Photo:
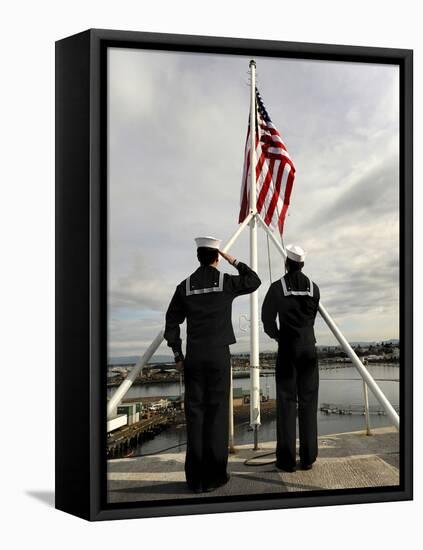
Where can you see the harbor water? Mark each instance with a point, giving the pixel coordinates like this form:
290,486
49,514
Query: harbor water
339,385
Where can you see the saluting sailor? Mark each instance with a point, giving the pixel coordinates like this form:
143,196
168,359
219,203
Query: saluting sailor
204,299
294,299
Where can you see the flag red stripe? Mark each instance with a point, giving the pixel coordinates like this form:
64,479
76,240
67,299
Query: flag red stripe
266,184
287,196
281,221
288,187
269,174
275,196
244,189
244,202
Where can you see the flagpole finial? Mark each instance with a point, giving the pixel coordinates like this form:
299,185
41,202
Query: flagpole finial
252,63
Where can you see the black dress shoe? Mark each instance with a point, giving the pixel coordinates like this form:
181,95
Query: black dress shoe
195,488
285,468
306,466
214,486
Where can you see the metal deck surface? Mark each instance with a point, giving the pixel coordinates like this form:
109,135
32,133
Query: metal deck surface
345,460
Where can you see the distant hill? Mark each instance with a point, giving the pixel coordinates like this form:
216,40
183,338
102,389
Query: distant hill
365,343
373,343
131,359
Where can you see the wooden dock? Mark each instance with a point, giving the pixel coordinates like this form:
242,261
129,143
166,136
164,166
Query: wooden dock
121,441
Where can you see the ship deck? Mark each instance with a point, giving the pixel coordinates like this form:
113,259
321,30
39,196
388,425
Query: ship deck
345,461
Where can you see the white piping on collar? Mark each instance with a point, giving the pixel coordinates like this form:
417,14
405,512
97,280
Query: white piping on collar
218,288
287,292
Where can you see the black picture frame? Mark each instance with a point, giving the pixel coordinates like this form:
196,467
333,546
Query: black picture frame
81,274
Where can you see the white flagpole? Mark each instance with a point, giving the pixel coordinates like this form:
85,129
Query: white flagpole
254,325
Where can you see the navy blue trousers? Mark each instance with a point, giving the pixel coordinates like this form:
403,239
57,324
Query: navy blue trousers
207,385
297,380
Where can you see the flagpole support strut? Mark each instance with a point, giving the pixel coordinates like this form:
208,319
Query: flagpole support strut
356,361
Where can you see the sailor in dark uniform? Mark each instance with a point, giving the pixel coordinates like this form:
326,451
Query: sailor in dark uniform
294,299
204,299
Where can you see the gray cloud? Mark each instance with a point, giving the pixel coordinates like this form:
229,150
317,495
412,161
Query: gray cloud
176,138
373,190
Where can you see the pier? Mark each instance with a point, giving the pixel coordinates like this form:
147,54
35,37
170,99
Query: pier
329,408
122,441
345,461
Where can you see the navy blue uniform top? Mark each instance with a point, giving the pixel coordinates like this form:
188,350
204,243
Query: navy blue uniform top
204,299
294,299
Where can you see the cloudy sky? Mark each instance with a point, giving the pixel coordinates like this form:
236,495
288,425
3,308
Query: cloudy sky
177,127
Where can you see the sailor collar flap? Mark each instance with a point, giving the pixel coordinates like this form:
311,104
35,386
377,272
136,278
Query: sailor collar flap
289,291
217,286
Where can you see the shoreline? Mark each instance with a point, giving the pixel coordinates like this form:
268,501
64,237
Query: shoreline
174,378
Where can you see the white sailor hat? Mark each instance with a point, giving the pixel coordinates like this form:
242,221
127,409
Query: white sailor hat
209,242
295,253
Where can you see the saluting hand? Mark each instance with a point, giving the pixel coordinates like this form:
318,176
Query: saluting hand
227,257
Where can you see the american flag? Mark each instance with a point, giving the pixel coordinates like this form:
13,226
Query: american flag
275,172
